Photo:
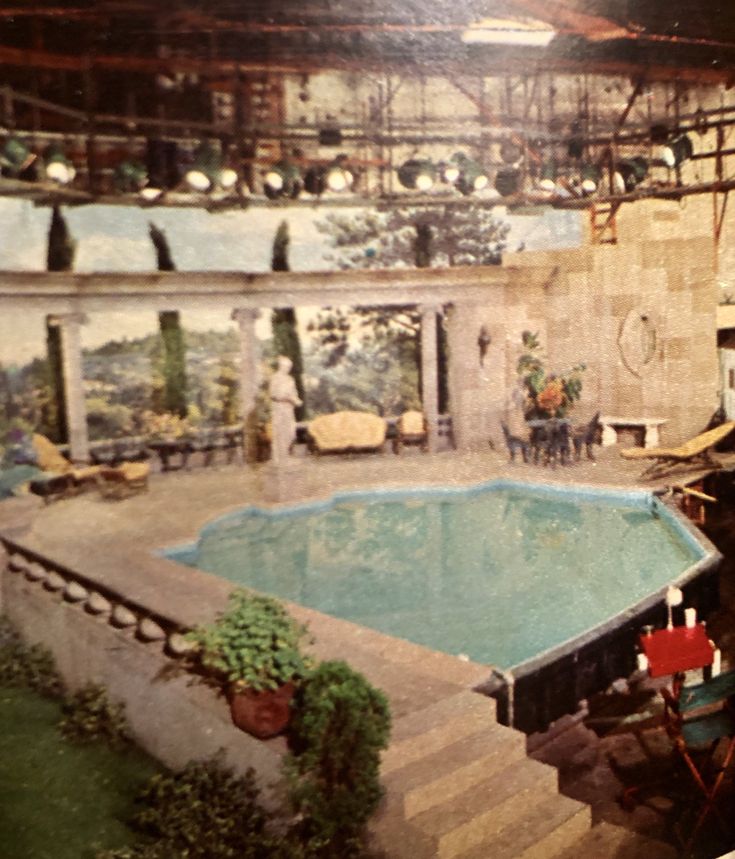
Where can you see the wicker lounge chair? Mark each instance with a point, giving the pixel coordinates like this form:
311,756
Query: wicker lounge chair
411,429
61,478
695,452
123,480
347,431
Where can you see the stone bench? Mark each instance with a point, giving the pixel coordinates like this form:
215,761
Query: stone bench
612,423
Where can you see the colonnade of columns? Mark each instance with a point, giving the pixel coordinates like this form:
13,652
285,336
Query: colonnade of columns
76,413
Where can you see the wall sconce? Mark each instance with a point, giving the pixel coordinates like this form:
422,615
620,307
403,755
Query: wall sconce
483,341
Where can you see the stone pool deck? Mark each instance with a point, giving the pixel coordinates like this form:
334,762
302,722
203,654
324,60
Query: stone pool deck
458,784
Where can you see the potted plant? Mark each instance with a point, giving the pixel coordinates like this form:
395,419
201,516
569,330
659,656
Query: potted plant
253,649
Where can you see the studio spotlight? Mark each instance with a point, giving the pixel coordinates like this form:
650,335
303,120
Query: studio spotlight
590,179
511,153
547,177
417,174
472,176
507,181
315,180
17,160
677,151
58,167
207,173
130,177
628,173
338,176
282,179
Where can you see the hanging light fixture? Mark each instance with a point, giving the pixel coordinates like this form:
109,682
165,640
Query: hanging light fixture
16,158
282,179
507,181
417,174
58,167
676,151
628,173
130,176
207,172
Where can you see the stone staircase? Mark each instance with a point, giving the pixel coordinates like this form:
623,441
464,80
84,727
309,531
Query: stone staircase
458,784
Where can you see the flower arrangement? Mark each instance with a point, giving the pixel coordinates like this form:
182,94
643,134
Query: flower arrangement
164,426
549,395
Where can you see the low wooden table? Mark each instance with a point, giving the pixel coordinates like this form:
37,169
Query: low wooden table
650,426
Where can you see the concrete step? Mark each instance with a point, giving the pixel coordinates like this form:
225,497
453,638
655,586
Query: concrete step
426,731
542,831
607,841
487,808
448,772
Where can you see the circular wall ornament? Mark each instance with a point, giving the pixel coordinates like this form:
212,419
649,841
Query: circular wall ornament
637,341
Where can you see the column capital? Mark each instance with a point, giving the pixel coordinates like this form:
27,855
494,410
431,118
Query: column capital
63,319
245,314
425,309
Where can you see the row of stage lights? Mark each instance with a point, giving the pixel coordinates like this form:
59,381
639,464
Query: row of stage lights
205,171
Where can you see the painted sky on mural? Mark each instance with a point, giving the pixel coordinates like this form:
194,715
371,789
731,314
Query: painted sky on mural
115,238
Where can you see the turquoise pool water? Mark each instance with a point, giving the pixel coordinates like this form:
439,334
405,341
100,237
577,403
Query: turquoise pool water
501,573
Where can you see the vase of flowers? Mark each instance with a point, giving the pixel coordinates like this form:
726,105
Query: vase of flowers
548,395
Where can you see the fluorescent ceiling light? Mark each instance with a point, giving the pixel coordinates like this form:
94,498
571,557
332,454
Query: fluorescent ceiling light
509,31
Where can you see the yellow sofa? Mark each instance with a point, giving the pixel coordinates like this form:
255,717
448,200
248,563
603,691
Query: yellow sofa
346,431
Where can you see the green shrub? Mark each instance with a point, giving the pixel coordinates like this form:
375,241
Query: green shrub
27,666
340,724
202,812
88,715
255,643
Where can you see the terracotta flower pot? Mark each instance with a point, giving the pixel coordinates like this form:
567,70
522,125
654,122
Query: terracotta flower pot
262,714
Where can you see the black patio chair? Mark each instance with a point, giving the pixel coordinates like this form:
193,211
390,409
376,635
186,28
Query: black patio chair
515,443
585,436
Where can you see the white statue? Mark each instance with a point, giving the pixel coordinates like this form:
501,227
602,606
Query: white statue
284,399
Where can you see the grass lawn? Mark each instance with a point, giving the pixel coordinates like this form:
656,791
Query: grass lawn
59,800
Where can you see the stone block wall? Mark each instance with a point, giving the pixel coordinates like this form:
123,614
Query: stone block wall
641,314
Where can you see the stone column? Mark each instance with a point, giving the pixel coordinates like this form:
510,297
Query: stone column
249,378
71,362
429,370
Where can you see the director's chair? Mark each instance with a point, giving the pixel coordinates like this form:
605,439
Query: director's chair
699,719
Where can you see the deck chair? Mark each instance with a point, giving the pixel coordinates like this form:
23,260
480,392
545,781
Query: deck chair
411,429
699,721
123,480
694,452
62,478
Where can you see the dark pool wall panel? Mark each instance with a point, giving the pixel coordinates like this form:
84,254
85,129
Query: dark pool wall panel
543,692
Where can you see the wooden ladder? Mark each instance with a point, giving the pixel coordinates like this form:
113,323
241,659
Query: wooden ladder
603,225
